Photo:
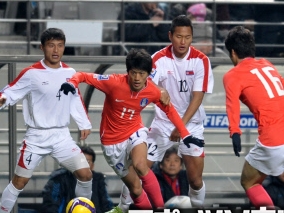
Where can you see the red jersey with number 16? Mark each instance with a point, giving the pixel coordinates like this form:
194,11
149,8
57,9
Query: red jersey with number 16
257,83
122,107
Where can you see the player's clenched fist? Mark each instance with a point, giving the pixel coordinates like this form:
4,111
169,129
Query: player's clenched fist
67,87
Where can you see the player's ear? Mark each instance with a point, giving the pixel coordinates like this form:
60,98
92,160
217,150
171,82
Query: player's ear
170,35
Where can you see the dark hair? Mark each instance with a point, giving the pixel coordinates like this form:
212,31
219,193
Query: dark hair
169,152
52,34
181,21
241,41
89,151
139,59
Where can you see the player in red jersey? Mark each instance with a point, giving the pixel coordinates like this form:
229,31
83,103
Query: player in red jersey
123,135
187,75
257,83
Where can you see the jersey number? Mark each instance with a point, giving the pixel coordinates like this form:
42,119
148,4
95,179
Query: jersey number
152,149
29,159
275,81
127,110
183,87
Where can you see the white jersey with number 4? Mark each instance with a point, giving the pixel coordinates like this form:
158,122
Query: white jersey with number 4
181,77
44,106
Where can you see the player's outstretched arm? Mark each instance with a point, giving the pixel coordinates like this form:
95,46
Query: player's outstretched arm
68,87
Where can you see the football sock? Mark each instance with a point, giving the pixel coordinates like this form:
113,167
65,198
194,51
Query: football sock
258,196
197,196
9,197
152,188
125,199
142,202
84,189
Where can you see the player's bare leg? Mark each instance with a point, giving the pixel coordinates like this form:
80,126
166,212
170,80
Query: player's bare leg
251,180
149,181
11,193
194,169
138,195
81,170
125,198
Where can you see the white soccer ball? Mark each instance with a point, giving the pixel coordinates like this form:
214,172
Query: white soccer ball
178,202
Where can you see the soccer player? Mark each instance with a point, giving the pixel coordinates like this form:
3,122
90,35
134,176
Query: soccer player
123,135
257,84
187,75
47,116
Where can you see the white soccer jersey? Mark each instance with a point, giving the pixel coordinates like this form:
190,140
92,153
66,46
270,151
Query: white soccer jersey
43,105
181,77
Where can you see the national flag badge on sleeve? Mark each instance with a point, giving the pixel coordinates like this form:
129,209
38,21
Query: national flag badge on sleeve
189,72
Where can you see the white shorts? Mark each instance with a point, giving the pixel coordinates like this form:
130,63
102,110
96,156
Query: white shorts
38,143
118,155
268,160
158,140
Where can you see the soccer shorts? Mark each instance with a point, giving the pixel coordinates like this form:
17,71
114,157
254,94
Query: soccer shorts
37,143
266,159
118,155
158,140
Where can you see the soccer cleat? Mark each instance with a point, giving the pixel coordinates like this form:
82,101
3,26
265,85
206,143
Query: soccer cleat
115,210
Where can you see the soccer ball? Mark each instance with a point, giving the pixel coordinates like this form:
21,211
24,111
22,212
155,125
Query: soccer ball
80,205
178,202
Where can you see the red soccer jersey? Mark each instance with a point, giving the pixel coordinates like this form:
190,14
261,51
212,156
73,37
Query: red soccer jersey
122,107
257,83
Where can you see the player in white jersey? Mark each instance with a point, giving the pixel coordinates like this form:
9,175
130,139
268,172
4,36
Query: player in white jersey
47,116
187,75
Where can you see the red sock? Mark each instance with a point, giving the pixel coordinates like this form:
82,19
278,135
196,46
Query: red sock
152,188
142,202
258,196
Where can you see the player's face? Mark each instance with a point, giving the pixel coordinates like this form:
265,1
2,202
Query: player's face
171,165
53,51
137,79
181,40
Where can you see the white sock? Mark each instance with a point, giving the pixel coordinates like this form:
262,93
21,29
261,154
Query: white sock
197,196
125,199
9,197
83,189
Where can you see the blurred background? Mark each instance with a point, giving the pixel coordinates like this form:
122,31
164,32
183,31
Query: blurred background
98,37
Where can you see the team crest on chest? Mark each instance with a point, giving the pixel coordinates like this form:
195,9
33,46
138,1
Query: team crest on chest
144,102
